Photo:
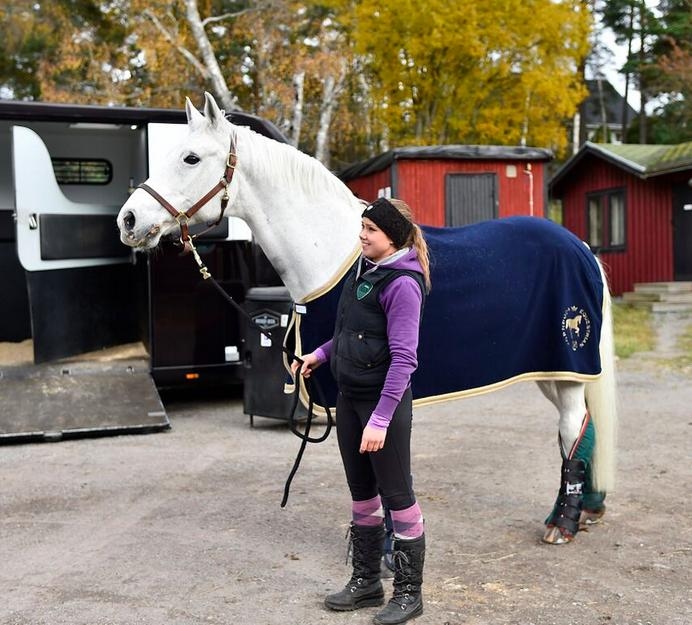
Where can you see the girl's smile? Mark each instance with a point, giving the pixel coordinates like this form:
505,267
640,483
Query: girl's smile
376,245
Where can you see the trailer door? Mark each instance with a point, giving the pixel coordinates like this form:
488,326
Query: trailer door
81,280
82,297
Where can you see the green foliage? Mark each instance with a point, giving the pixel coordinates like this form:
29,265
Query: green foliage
472,72
660,64
502,72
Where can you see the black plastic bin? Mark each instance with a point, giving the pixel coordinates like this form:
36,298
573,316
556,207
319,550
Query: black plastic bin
265,374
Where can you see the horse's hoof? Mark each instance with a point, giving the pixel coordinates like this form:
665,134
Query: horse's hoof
556,536
590,517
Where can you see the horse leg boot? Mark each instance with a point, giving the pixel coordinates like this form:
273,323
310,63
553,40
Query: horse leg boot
578,503
407,601
364,589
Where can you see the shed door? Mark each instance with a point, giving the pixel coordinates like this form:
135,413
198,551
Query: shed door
682,232
470,198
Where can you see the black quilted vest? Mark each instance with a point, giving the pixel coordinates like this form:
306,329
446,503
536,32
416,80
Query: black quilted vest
360,350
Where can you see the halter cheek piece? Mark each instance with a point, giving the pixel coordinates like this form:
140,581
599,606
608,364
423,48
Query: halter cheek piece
183,217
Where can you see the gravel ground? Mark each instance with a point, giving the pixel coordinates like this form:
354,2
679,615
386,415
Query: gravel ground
185,527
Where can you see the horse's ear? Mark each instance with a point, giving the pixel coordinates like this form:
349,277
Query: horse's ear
193,115
211,109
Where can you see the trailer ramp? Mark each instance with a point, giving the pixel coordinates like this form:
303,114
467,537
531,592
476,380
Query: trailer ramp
51,402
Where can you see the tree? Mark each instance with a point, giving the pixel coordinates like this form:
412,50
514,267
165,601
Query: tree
635,25
671,80
473,72
66,50
343,79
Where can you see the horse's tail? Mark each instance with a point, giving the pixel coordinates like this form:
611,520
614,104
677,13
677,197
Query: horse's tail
601,398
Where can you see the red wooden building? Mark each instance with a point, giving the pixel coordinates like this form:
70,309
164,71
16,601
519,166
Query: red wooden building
633,205
454,185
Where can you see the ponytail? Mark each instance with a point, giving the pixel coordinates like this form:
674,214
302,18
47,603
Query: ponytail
416,241
421,247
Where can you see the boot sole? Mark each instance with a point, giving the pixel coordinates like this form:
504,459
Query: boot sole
417,612
367,602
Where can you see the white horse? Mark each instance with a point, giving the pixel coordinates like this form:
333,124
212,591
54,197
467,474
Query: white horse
307,222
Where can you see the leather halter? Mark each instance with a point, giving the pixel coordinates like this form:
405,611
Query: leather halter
183,217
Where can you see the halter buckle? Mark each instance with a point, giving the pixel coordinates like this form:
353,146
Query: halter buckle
225,197
230,156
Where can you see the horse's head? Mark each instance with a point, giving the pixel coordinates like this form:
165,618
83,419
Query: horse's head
188,173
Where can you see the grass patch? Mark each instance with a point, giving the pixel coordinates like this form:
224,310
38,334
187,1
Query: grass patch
633,331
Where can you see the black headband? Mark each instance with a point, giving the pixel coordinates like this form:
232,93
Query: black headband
387,218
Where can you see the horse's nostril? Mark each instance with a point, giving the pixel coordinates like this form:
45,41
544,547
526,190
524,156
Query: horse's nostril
129,220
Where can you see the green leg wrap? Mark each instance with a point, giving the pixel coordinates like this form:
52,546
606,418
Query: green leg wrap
593,499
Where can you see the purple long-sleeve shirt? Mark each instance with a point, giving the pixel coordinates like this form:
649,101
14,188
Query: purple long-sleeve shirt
401,301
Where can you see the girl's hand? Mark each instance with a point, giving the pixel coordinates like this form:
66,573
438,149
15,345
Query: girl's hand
310,362
372,439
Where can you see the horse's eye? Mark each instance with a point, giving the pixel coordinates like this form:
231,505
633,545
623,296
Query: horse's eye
191,159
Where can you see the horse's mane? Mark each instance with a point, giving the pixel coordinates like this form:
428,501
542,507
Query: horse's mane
289,166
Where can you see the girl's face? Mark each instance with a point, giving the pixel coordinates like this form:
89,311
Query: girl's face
376,245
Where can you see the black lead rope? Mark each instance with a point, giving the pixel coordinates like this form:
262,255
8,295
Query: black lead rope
312,387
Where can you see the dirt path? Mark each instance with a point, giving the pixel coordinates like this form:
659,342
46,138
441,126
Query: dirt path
185,528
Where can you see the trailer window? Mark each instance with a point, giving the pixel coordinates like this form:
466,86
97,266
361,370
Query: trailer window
97,171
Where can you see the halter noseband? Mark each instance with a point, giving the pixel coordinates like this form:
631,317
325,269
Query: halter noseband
183,217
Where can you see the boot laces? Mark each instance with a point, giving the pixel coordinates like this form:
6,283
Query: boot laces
402,580
358,543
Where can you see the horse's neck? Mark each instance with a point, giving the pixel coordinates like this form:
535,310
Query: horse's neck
303,217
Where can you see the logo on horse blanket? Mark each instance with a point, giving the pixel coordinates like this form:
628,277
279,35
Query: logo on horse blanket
576,327
513,298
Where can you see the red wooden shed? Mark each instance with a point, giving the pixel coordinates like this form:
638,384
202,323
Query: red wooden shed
633,205
454,185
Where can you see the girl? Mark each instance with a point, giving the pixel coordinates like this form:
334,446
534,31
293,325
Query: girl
372,356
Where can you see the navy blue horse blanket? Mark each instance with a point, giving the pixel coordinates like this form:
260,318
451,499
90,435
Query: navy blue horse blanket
512,299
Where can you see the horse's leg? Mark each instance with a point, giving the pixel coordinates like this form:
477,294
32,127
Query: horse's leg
577,503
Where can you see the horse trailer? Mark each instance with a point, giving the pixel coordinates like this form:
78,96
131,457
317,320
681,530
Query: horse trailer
91,331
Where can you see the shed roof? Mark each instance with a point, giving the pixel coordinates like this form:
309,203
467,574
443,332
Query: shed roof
644,161
445,152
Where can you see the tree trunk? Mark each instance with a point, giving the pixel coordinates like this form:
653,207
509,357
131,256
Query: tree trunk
326,111
625,107
643,27
221,91
604,113
297,118
331,89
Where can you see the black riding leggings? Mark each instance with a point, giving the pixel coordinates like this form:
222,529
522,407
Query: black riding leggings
387,471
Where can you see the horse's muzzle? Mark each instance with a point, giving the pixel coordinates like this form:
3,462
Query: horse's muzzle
130,235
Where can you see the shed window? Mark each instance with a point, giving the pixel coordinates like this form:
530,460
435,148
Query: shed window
605,220
96,171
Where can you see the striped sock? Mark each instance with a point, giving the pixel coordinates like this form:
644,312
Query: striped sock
368,512
408,523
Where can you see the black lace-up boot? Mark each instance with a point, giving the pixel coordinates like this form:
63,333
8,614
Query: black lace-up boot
364,589
407,601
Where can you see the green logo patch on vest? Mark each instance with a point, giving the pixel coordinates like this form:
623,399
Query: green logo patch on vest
363,289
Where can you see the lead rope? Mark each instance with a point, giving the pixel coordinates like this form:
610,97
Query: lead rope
311,384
